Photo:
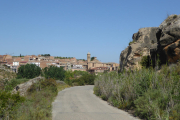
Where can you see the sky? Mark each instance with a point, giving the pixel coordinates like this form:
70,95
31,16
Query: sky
72,28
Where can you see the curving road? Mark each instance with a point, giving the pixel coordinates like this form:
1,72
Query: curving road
79,103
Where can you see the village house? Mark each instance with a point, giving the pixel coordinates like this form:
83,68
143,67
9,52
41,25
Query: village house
78,67
92,66
96,66
97,70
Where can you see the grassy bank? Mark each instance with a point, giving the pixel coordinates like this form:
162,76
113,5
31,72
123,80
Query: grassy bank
149,94
37,105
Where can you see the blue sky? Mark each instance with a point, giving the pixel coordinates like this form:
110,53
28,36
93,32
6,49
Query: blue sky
72,28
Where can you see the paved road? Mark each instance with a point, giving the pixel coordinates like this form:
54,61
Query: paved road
79,103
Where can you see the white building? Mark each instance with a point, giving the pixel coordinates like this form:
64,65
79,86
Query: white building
77,66
36,63
15,63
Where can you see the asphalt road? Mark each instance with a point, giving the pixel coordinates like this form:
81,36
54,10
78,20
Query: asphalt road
79,103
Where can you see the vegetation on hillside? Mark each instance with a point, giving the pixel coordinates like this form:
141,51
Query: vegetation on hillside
146,92
81,59
36,105
59,57
5,76
45,55
170,18
8,104
9,85
131,42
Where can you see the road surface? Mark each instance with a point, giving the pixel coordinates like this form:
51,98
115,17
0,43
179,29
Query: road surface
79,103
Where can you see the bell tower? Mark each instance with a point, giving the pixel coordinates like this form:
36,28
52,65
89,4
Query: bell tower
88,57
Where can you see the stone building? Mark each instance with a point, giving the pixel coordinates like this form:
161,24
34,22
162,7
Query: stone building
95,65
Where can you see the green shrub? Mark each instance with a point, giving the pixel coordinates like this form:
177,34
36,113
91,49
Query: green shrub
175,16
8,103
145,61
103,97
79,78
96,91
68,81
152,104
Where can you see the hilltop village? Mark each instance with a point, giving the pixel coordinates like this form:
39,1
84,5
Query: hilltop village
90,65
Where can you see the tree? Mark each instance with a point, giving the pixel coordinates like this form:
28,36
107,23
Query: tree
54,72
28,71
45,55
92,58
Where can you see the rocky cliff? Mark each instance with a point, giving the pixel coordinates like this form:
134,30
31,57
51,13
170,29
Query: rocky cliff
161,43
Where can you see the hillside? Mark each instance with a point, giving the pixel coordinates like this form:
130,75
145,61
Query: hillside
5,75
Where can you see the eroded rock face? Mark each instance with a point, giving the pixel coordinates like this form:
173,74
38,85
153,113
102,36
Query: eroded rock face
169,38
163,40
144,40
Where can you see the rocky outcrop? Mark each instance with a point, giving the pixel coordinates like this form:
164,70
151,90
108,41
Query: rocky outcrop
163,41
22,88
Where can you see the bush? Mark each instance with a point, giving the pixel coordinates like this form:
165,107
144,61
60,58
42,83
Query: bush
151,94
79,78
8,104
145,61
175,16
44,84
86,79
28,71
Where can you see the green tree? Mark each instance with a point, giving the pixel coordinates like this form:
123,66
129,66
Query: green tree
92,58
28,71
54,72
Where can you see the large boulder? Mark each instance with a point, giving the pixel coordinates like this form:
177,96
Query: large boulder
163,41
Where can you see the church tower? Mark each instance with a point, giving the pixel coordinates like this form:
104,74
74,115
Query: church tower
88,57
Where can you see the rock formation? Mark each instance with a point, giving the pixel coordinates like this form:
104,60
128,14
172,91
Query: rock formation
22,88
163,41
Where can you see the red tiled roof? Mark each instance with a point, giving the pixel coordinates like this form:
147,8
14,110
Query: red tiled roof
23,61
